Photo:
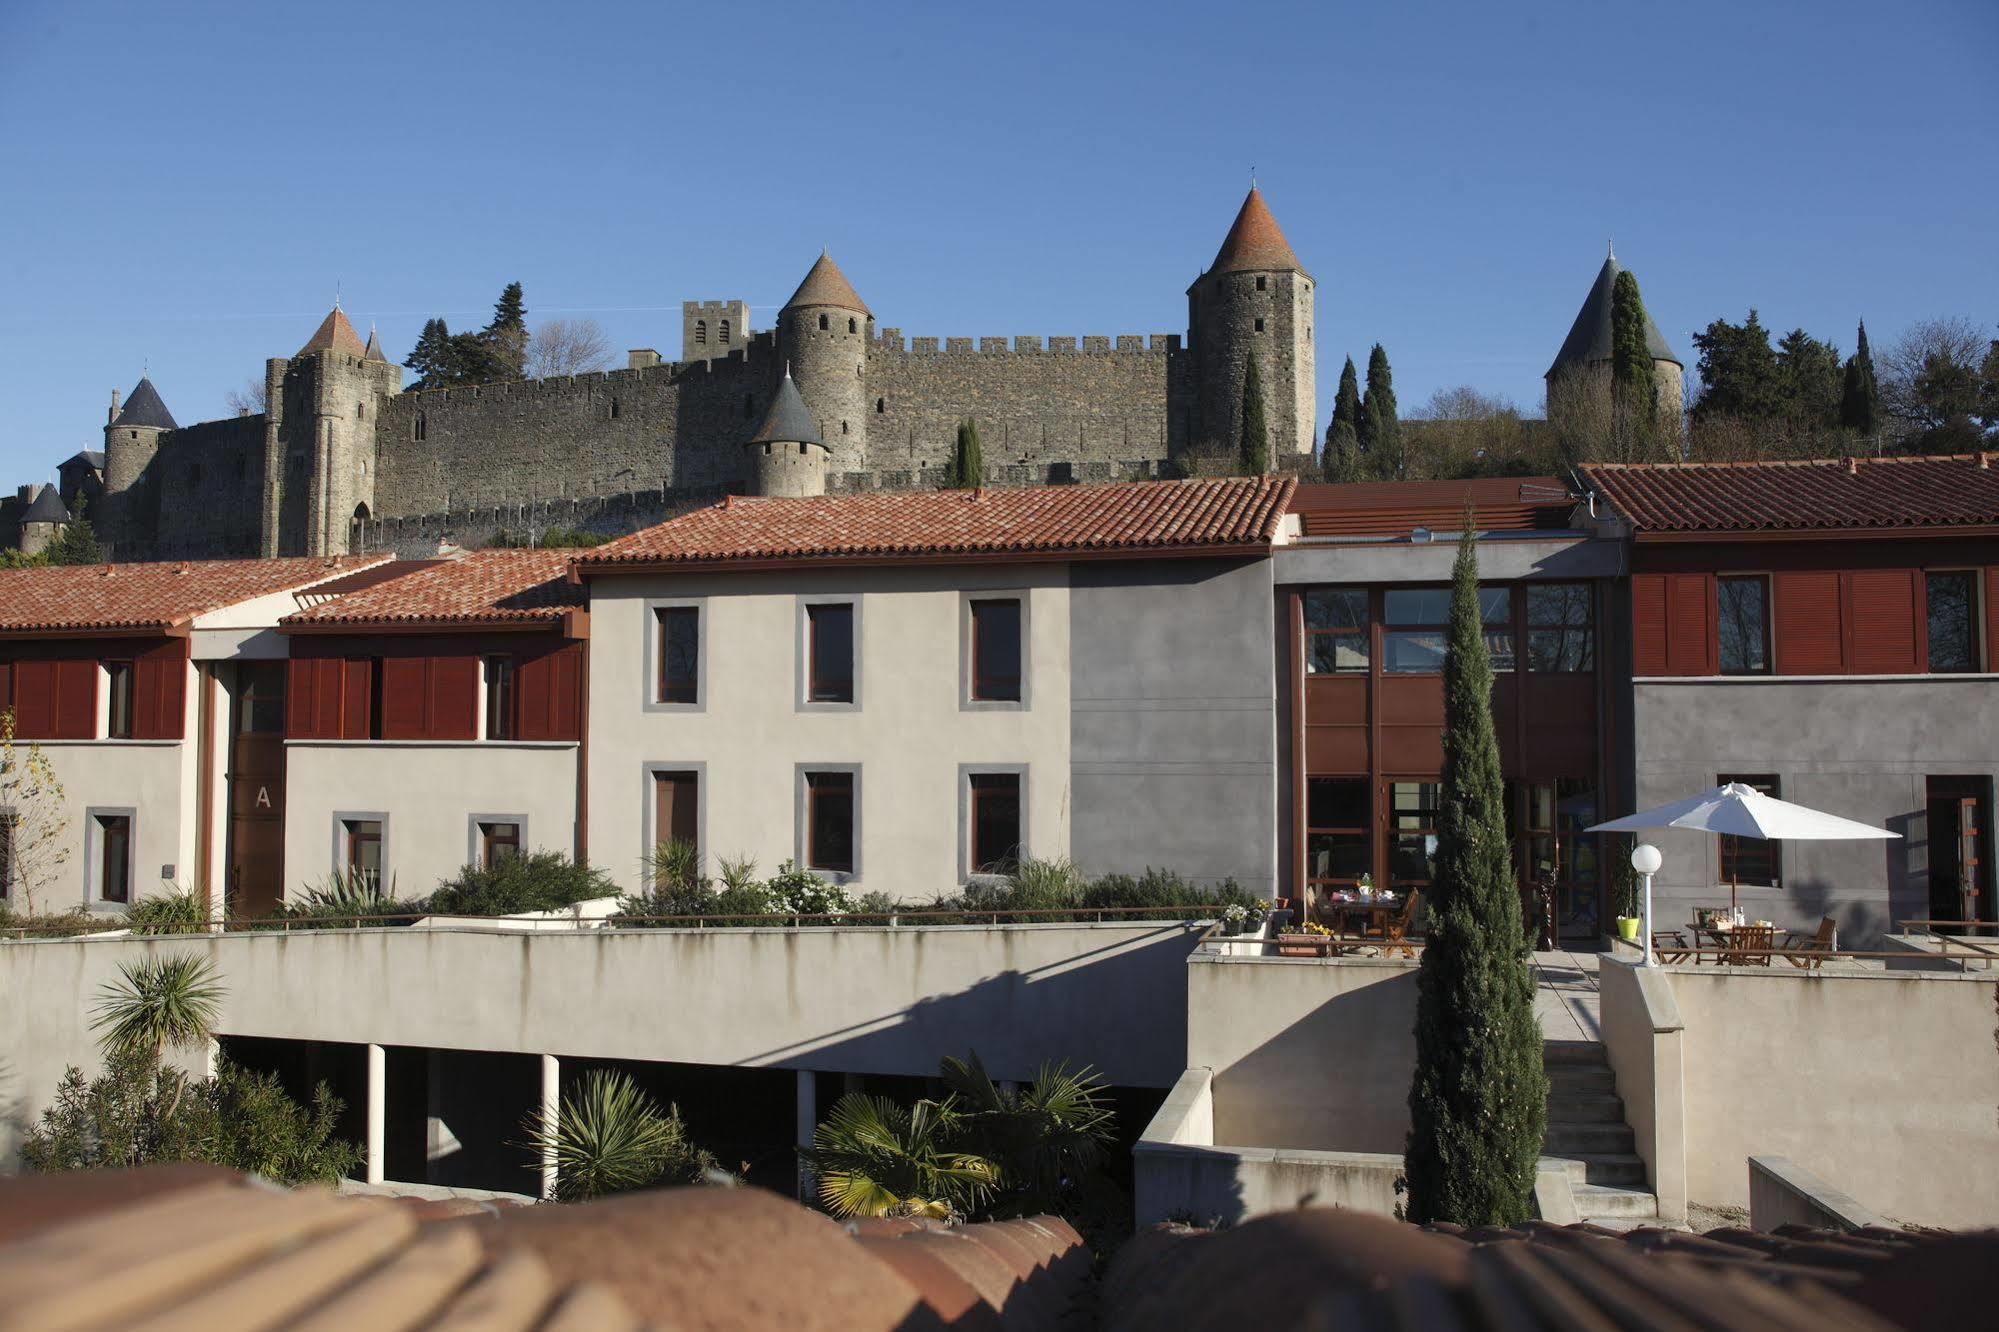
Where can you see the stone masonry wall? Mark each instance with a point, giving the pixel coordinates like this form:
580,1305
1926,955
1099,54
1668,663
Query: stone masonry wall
210,481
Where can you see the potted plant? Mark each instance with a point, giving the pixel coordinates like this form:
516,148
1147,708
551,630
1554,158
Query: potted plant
1233,917
1625,886
1254,914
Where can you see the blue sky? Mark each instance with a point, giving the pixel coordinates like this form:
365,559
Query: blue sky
184,185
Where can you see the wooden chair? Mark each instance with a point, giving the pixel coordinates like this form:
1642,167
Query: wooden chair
1671,947
1395,929
1749,946
1811,951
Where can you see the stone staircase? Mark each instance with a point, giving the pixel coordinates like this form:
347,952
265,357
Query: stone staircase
1587,1134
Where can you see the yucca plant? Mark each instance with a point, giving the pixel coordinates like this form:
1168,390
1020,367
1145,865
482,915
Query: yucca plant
676,867
159,1004
610,1137
179,912
876,1158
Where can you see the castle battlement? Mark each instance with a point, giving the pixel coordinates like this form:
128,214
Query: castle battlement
890,343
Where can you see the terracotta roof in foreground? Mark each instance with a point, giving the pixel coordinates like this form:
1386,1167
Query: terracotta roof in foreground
152,596
481,587
1395,508
1831,494
1129,517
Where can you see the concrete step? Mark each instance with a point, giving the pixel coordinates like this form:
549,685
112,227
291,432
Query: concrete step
1573,1079
1619,1168
1570,1053
1569,1139
1585,1108
1603,1202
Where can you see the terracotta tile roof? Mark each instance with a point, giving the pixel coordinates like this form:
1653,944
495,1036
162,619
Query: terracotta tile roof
152,596
1255,241
1912,492
825,284
1395,508
334,334
1133,517
481,587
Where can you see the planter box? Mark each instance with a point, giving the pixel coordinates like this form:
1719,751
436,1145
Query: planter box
1303,945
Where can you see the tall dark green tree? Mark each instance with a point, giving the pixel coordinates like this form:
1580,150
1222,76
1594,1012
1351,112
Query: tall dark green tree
1634,378
77,542
1253,446
1478,1104
506,338
1739,373
1341,459
1988,388
1859,391
968,462
434,359
1380,429
1809,378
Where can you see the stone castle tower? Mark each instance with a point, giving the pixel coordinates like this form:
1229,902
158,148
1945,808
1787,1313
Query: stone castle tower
786,454
1255,302
823,334
1586,356
319,438
131,442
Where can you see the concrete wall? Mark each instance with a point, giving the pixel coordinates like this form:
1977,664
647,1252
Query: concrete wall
838,1000
152,779
1643,1038
910,734
1306,1052
1860,749
1780,1194
429,793
1174,743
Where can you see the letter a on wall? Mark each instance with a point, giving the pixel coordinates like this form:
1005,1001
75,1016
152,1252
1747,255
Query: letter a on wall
263,797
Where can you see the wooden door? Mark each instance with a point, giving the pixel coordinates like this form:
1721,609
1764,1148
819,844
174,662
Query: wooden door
257,790
676,798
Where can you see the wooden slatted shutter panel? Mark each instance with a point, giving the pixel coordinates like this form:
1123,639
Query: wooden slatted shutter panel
1883,620
35,699
6,685
353,680
566,695
1649,645
1991,662
159,692
76,699
1690,645
301,679
454,698
1809,626
534,693
405,697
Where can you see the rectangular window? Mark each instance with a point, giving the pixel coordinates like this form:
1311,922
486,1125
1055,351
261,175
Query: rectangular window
499,698
363,838
996,651
1412,850
1560,627
676,808
1338,849
260,698
118,718
995,822
1414,631
1743,603
679,654
829,821
497,842
830,652
114,857
1336,627
1495,611
1751,860
1953,622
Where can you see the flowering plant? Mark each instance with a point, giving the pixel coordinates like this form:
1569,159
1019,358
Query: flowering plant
1235,913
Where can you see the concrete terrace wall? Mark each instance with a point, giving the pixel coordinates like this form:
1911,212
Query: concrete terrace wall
154,781
1860,749
841,1000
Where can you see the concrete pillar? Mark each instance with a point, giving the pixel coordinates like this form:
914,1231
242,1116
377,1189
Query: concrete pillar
808,1120
551,1110
377,1110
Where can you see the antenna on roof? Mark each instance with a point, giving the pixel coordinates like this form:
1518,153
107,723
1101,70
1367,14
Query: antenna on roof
1610,248
1252,175
336,293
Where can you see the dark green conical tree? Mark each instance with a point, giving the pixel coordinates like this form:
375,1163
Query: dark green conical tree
1253,447
1341,459
506,338
1634,379
1859,393
433,359
1478,1105
77,542
1380,430
968,463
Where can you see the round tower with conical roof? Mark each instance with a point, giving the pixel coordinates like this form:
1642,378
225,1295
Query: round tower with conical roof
1255,300
44,521
1586,360
131,442
823,332
319,438
786,455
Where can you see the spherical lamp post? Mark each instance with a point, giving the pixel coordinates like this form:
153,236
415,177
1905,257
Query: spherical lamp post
1645,858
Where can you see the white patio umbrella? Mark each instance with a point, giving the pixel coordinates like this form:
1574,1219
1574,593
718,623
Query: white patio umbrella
1744,811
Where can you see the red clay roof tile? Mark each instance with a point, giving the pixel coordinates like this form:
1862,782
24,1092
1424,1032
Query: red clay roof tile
1133,518
1255,241
1911,492
484,586
1394,508
152,596
334,334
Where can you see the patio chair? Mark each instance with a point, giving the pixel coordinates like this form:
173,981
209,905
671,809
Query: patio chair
1395,929
1671,947
1748,946
1811,951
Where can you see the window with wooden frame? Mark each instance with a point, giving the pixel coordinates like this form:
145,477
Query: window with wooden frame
1414,630
830,652
1742,622
676,808
994,823
1412,847
363,850
829,821
1561,627
679,654
1495,612
1751,861
114,857
118,695
499,675
1339,846
1952,599
996,650
498,842
1336,631
1556,814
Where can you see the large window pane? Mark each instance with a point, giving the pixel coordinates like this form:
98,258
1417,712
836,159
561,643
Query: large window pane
995,822
1406,651
1744,605
1953,601
1551,605
996,650
832,653
1495,605
1412,847
1336,802
830,827
1336,608
680,654
1417,605
1753,860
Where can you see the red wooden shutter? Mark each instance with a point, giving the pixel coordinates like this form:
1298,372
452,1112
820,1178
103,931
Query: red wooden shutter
35,699
1808,624
1991,662
6,685
1690,646
76,699
301,675
1883,617
534,693
159,692
405,697
565,708
454,698
354,678
1650,649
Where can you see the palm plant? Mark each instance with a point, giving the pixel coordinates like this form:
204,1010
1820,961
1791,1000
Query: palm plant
1045,1138
876,1158
609,1137
159,1004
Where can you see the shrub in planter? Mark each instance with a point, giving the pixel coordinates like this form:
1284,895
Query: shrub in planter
533,881
179,912
799,891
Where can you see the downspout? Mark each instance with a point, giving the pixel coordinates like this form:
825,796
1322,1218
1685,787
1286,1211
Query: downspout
583,762
204,784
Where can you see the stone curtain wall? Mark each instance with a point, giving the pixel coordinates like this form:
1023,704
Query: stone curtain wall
208,481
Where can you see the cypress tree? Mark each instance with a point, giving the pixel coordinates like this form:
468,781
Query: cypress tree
1341,460
1253,449
1859,392
1380,431
1478,1105
968,463
1633,376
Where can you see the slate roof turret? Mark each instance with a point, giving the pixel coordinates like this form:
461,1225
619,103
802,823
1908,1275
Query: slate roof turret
788,421
373,351
144,408
1589,336
47,508
825,284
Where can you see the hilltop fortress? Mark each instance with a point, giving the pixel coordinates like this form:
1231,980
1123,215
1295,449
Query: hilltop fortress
345,459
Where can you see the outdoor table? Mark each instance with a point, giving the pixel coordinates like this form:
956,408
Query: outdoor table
1739,945
1373,915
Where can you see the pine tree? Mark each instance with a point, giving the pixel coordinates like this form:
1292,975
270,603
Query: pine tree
1478,1104
1634,378
1380,431
1253,448
968,462
433,359
1859,392
506,338
1739,374
77,542
1341,459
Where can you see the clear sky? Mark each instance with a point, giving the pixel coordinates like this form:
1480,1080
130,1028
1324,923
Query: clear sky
185,184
